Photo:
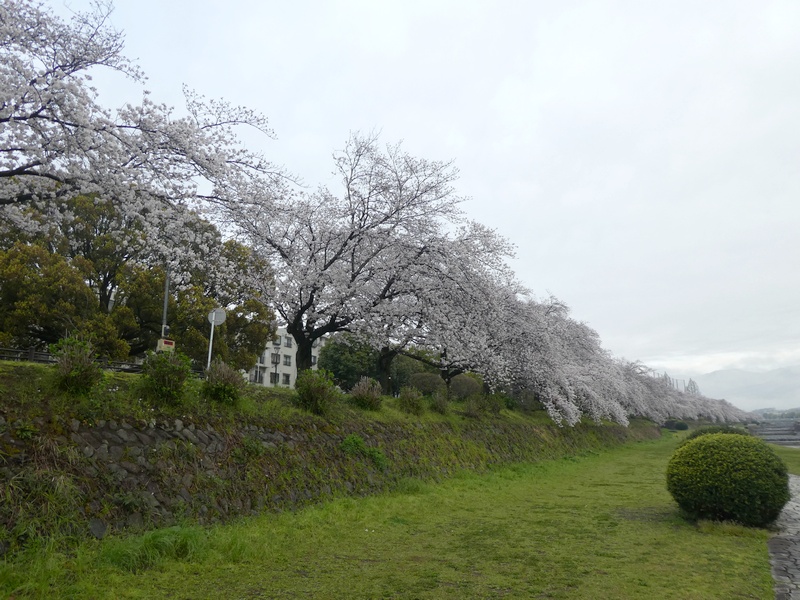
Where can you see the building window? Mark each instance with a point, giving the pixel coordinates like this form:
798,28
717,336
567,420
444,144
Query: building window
287,360
273,378
287,341
286,379
276,358
313,360
276,341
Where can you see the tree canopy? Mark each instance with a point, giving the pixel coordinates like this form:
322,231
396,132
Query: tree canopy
98,205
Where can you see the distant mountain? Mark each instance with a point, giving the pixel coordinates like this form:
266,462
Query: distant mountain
749,390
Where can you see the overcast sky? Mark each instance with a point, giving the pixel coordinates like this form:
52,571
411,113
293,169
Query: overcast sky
644,157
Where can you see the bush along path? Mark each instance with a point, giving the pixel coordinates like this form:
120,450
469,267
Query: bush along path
784,548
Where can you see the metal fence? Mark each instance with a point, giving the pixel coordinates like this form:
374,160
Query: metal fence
33,355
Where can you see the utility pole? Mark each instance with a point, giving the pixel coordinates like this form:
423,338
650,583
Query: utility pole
164,343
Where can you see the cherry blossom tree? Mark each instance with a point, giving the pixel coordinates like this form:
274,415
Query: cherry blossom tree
347,258
58,141
450,309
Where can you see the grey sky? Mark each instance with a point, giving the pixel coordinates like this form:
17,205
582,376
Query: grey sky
642,156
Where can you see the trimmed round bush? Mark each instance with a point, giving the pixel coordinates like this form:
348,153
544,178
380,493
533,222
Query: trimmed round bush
728,477
713,429
427,383
463,386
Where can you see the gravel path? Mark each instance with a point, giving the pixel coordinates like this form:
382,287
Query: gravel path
784,548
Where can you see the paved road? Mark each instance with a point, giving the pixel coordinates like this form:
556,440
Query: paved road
784,548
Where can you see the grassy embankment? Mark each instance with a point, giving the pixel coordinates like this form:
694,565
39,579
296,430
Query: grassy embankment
596,526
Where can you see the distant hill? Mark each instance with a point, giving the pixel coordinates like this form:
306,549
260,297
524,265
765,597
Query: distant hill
750,390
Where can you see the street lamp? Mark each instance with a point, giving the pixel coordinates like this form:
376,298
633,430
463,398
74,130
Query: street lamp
276,359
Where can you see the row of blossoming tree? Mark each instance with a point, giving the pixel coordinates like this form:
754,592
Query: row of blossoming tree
388,256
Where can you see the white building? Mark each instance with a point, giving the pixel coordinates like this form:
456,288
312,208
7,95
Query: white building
276,367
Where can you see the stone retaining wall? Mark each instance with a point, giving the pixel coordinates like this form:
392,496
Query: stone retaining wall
113,475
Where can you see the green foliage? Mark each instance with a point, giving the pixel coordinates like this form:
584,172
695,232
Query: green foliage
463,386
42,295
427,383
728,477
92,271
348,360
411,401
76,369
439,402
251,448
137,553
164,376
676,425
494,403
24,429
223,384
508,401
354,445
482,404
316,392
403,368
713,429
367,394
473,406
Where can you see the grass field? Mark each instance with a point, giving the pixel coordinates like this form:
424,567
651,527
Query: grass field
599,526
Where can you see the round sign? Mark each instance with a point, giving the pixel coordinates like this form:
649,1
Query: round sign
216,316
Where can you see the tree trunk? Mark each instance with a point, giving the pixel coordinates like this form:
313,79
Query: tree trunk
303,355
385,358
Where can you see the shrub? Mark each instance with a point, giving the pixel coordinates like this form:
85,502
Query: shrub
495,403
355,445
76,369
713,429
675,425
462,386
411,401
315,391
427,383
367,394
506,401
164,375
439,403
725,477
473,407
223,384
481,404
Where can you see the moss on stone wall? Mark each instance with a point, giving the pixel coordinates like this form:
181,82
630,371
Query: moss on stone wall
115,475
72,467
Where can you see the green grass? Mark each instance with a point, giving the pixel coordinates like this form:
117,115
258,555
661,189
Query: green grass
791,456
597,526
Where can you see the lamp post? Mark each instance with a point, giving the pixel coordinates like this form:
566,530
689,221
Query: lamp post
276,359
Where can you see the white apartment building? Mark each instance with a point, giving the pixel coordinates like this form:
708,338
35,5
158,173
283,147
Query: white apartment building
276,366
